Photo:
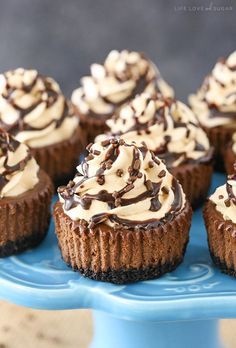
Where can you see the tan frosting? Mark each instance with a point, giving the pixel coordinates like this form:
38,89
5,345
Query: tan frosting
234,143
167,127
122,75
33,108
18,169
225,199
117,175
215,101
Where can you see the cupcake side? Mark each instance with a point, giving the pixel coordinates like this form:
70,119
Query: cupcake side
112,84
25,197
124,217
230,155
220,220
170,129
215,105
34,110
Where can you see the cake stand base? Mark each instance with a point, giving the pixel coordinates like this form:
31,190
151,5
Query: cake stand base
110,332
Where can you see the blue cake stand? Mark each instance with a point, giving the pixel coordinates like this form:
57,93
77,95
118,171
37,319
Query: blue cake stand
181,309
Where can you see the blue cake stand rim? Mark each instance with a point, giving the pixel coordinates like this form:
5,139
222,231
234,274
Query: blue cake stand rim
196,289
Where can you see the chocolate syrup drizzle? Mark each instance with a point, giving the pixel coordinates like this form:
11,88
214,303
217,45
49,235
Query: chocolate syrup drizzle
160,118
52,97
229,189
116,198
213,108
9,144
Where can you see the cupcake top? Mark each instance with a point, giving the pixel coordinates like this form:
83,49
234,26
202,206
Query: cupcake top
167,127
215,101
33,108
225,198
117,80
121,184
18,169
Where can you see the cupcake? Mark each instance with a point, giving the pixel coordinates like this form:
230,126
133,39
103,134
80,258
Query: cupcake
112,84
25,196
170,129
124,217
220,221
215,105
230,155
34,110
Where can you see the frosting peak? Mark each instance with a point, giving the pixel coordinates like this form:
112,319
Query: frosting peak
121,184
225,198
33,108
167,127
119,79
215,101
18,170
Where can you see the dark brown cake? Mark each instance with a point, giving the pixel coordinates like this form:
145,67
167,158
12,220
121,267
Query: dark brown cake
221,231
229,159
135,237
25,197
195,180
112,84
60,160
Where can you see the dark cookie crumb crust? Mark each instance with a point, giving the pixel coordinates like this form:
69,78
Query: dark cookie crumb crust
123,276
222,266
22,244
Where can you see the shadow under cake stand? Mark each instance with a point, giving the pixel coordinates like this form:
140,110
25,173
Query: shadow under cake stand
179,310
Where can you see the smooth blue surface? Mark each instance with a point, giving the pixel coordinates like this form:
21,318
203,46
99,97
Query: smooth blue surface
115,333
196,290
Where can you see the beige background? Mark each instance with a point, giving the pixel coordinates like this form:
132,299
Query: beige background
26,328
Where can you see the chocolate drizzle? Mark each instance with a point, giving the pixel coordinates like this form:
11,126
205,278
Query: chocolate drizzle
163,115
48,95
9,144
229,189
214,109
73,196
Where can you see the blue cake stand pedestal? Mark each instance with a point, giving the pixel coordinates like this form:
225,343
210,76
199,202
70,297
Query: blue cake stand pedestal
179,310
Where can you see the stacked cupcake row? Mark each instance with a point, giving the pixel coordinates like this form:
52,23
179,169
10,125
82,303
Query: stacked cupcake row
124,217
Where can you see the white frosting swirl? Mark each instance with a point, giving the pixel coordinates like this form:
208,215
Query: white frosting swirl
18,169
168,128
215,101
122,75
33,108
225,199
122,184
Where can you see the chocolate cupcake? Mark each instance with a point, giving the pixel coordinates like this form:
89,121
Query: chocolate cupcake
215,105
34,110
230,155
124,217
110,85
25,196
170,129
220,221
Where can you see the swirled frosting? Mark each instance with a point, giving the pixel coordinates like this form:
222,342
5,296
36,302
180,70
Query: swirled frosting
215,101
33,108
167,127
234,142
119,79
121,184
18,169
225,199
